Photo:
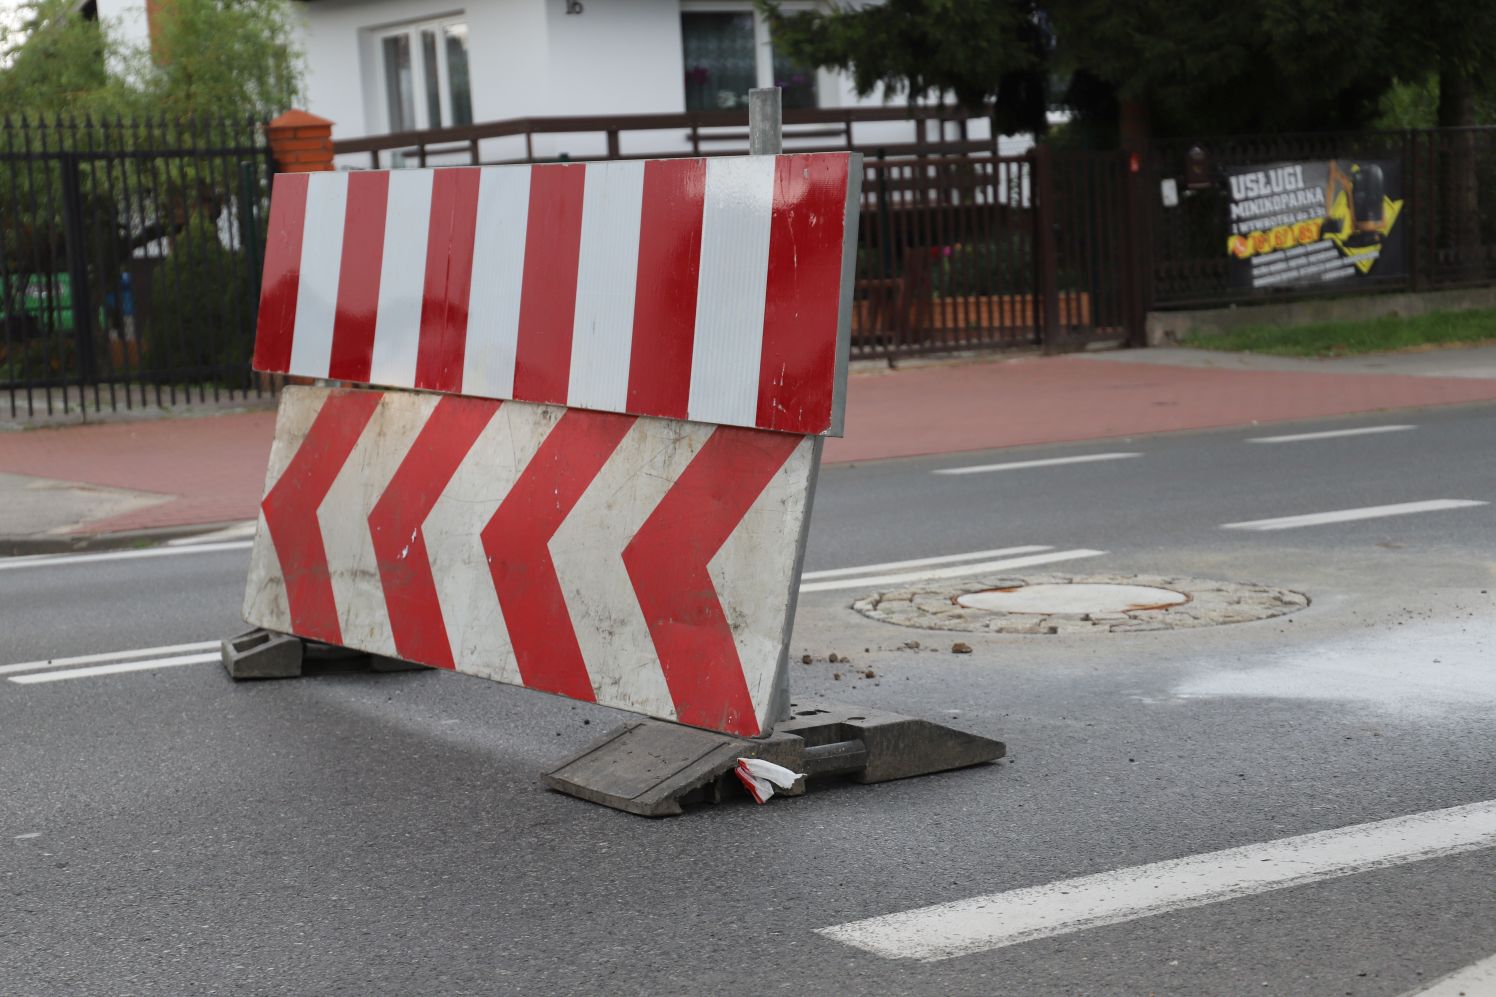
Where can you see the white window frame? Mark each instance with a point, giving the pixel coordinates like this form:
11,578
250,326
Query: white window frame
763,44
412,30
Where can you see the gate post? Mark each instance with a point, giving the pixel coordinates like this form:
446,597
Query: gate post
1046,266
1137,246
72,222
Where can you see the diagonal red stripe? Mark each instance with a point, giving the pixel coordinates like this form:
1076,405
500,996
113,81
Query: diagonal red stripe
517,542
282,275
416,622
291,511
667,562
548,289
358,275
803,296
665,295
449,270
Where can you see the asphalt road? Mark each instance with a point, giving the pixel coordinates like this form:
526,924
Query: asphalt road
164,831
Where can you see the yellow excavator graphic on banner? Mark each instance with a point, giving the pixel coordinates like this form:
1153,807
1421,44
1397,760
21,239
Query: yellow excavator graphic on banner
1359,214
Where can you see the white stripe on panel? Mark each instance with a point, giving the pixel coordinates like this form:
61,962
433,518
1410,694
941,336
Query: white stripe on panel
321,263
728,342
343,515
607,270
402,278
454,539
498,275
753,573
588,550
293,422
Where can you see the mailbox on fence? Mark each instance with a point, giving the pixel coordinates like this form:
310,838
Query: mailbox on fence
587,462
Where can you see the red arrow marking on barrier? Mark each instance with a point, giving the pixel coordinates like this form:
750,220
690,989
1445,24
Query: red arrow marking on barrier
395,527
291,511
667,562
517,542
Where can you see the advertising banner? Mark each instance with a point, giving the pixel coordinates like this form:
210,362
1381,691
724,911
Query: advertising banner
1315,222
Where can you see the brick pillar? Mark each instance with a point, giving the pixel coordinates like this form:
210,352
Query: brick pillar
301,142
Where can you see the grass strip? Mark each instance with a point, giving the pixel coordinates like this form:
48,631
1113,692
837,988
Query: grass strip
1339,339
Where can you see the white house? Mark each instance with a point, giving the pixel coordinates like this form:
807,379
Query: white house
379,66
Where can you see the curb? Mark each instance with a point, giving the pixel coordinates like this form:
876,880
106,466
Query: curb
123,540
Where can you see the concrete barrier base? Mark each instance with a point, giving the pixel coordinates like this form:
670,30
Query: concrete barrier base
655,769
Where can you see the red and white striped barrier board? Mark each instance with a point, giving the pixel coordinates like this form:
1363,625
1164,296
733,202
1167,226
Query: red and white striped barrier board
714,290
641,563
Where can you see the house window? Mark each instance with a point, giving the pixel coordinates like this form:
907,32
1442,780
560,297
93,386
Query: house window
728,52
425,69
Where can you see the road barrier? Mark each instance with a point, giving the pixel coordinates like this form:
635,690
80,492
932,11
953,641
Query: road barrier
591,466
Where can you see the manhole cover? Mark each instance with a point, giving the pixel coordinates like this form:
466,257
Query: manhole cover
1061,604
1076,597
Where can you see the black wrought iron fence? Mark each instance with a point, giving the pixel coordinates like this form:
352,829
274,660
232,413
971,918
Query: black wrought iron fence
1425,220
130,256
945,255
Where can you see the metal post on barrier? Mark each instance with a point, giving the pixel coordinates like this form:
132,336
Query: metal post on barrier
587,463
765,122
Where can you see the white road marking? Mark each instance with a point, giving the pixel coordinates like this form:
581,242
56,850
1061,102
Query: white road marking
88,659
977,568
920,562
1329,434
999,919
1047,462
1350,515
57,560
1472,981
124,666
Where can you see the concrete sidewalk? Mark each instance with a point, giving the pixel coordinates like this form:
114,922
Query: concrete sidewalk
114,482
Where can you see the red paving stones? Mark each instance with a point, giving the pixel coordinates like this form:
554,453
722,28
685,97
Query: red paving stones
980,406
215,466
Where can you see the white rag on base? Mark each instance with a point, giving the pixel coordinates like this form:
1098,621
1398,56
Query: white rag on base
760,777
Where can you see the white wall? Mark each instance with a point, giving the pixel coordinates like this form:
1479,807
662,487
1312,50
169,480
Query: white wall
125,20
529,58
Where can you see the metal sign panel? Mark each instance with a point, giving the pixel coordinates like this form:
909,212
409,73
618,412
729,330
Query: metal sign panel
640,563
715,290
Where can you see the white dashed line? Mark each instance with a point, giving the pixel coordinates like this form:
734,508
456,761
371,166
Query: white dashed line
998,919
1332,434
125,666
69,560
920,562
1351,515
956,571
87,659
1047,462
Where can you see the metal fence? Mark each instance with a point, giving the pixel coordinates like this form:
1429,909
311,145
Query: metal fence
1446,211
933,130
130,258
990,252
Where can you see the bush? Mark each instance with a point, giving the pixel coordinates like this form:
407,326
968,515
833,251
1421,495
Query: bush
202,307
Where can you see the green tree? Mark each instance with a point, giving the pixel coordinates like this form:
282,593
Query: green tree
56,61
225,56
1137,69
232,58
978,52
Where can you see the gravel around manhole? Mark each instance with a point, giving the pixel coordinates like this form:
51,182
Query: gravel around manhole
1205,603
